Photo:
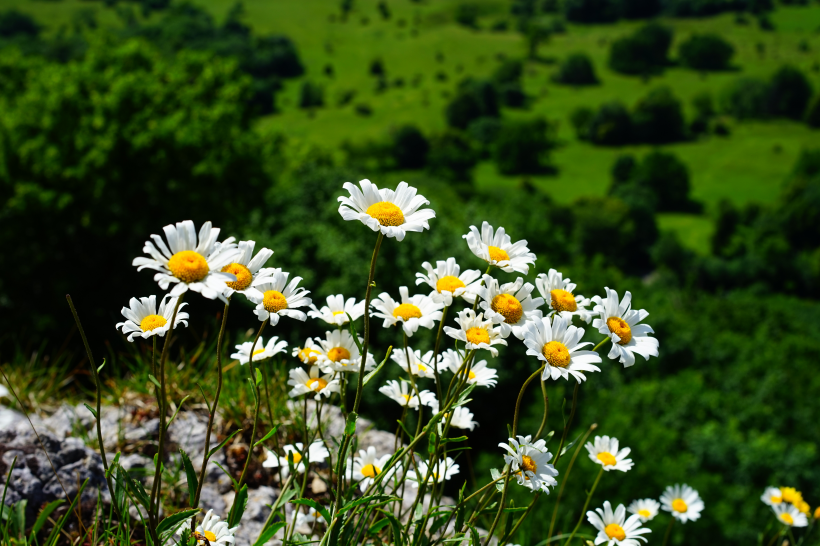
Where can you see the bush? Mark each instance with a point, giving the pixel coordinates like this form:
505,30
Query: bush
467,15
643,52
813,113
377,67
522,146
746,98
667,177
451,157
789,93
577,69
15,23
658,118
311,95
591,11
410,147
706,52
623,170
640,9
474,99
484,132
611,125
581,120
509,71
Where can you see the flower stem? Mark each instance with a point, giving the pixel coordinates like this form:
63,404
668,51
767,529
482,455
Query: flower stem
568,424
607,338
566,477
669,532
586,504
435,352
546,411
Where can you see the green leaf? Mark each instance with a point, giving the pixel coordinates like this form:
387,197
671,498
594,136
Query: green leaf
268,533
92,410
461,508
101,366
205,398
372,374
462,399
285,497
154,381
174,416
172,522
316,506
258,376
459,439
431,444
55,532
509,523
193,482
352,328
20,517
378,526
136,489
222,443
398,536
404,428
569,445
474,536
350,426
381,499
494,472
238,508
41,519
235,485
268,435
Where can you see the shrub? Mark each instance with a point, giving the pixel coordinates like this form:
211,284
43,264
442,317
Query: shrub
706,52
658,118
640,9
474,99
591,11
581,120
746,98
577,69
484,132
789,93
451,157
15,23
643,52
509,71
467,15
813,113
311,95
410,147
611,125
363,109
512,95
667,177
623,169
522,146
377,67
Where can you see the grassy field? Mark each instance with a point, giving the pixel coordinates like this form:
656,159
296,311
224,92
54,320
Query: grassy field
423,46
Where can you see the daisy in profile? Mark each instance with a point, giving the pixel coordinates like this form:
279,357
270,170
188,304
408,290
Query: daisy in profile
476,332
339,353
366,467
614,528
509,305
214,530
462,418
187,263
530,463
405,396
789,515
558,293
772,496
645,509
143,320
604,451
439,470
791,495
682,502
280,298
557,345
621,324
420,310
448,282
247,268
309,353
394,213
311,382
420,366
317,453
498,249
337,309
261,352
479,372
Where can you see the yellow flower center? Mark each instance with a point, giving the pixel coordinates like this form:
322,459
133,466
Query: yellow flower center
607,459
188,266
644,513
338,313
509,307
497,255
243,276
471,375
449,284
476,335
407,311
556,354
528,464
563,301
308,355
274,301
338,353
804,508
257,352
619,326
386,213
613,530
316,384
151,322
422,367
370,471
210,536
791,495
776,500
406,398
295,457
817,513
679,505
787,518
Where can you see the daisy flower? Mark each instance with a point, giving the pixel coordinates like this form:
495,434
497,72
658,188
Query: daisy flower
498,250
394,213
479,372
817,513
612,529
557,292
772,496
530,463
789,515
215,531
337,309
604,451
317,453
309,354
366,467
421,366
420,310
143,320
462,418
509,305
279,298
682,502
439,471
557,345
791,495
402,394
304,520
447,282
305,383
247,268
620,323
262,351
339,353
476,332
189,264
645,509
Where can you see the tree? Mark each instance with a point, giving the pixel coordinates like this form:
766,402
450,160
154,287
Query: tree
410,147
789,93
451,157
643,52
577,69
706,52
667,177
591,11
658,118
474,99
522,146
611,125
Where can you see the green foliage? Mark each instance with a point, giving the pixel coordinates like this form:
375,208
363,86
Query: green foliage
611,125
451,157
746,98
658,118
813,113
474,99
591,11
661,180
311,95
789,93
577,69
706,52
643,52
14,23
522,146
410,147
467,15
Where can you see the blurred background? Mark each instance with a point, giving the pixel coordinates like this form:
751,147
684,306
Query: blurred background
667,147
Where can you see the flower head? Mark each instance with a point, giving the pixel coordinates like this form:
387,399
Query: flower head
187,263
247,269
462,418
279,298
405,396
448,282
558,293
261,352
309,353
789,515
682,502
439,471
310,382
621,324
530,462
498,249
604,451
646,509
557,345
772,496
339,353
420,310
366,467
394,213
476,332
144,320
295,453
614,528
215,531
509,305
337,309
479,372
420,366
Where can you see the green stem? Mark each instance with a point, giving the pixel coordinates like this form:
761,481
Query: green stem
669,532
568,425
566,477
586,504
607,338
546,411
435,352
